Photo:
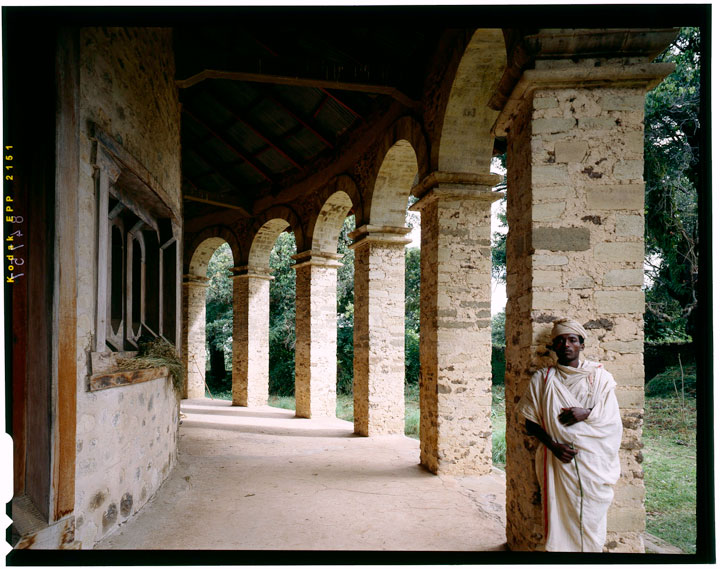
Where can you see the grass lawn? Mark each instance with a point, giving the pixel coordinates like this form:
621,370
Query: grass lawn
670,466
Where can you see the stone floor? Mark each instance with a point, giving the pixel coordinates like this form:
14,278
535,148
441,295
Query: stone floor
262,479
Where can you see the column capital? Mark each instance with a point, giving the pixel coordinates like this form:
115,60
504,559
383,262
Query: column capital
463,181
386,234
638,75
448,185
316,258
195,280
246,272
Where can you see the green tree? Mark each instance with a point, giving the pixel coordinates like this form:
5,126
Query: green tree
345,308
282,316
672,176
219,318
412,315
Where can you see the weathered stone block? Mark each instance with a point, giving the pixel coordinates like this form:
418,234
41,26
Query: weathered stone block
552,125
597,123
540,103
547,278
581,282
548,260
621,102
620,302
551,211
630,347
628,170
570,151
629,225
550,175
630,196
635,142
549,300
626,519
623,277
618,251
630,398
551,193
561,238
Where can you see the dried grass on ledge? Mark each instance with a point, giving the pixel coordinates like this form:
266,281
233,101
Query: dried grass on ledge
157,352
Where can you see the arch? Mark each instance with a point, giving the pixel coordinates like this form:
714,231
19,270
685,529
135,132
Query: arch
201,246
394,180
329,222
263,242
466,143
405,129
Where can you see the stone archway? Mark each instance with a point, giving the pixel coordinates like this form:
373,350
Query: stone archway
316,312
379,333
251,311
194,298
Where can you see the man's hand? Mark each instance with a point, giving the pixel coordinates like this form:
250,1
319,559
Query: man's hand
571,415
563,452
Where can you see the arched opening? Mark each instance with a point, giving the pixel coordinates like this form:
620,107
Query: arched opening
219,322
257,297
380,322
208,317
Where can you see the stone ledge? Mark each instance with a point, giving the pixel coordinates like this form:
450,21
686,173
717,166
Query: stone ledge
106,380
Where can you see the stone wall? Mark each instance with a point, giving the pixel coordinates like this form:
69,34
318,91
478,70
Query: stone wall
575,247
194,352
126,436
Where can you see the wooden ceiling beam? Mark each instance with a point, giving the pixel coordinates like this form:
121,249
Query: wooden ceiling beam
241,117
296,81
215,170
297,117
227,144
339,102
198,195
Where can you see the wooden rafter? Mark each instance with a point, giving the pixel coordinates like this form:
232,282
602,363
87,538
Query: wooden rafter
297,117
295,81
227,144
242,118
339,102
198,195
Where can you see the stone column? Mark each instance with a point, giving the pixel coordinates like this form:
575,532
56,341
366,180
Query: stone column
316,333
193,314
575,247
379,330
455,344
251,342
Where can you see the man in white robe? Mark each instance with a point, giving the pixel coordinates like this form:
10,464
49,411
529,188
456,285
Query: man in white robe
572,409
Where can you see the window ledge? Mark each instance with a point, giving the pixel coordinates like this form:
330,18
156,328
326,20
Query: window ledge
118,378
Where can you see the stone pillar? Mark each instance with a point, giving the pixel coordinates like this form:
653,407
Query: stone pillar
193,315
379,330
316,334
455,344
251,342
575,247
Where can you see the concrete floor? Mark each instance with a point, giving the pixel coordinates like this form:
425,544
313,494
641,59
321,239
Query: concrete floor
262,479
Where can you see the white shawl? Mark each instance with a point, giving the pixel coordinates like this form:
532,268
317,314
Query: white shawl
597,440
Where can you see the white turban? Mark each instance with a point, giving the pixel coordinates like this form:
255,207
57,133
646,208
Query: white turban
567,326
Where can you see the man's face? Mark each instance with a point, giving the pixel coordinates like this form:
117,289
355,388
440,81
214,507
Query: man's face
568,348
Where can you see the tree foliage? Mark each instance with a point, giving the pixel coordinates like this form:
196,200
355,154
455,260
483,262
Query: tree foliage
672,176
282,316
219,317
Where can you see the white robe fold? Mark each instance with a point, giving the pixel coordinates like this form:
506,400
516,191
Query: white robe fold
597,440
